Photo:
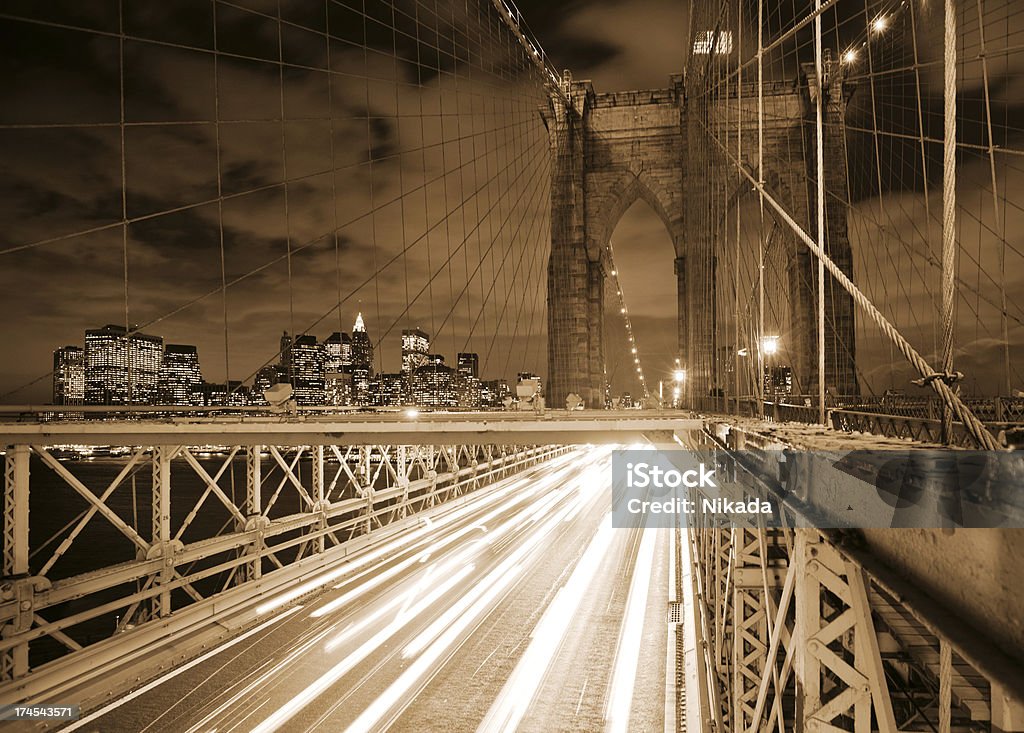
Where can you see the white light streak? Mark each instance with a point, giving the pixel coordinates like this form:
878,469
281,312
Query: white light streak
511,704
285,713
627,658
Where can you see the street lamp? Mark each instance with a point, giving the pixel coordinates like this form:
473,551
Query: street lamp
769,347
679,376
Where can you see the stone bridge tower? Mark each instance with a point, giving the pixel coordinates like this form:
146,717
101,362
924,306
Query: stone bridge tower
610,149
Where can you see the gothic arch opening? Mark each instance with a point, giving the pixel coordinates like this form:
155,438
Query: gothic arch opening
643,250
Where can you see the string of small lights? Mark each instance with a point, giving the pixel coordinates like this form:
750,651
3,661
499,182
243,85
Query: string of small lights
630,335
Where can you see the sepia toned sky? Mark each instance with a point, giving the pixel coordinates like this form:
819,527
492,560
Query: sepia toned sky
60,143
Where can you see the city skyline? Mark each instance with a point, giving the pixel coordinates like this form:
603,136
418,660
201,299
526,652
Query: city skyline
118,366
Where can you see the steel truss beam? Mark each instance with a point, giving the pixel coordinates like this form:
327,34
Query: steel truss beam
797,636
298,503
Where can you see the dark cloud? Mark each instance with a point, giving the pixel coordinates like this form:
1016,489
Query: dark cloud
371,134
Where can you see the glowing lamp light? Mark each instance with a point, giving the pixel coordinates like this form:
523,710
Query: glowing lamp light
634,349
880,24
679,375
412,413
622,310
849,57
770,345
614,272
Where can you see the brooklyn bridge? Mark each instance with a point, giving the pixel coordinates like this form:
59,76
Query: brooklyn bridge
387,365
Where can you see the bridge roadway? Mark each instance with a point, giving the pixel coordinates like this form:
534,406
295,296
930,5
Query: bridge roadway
520,609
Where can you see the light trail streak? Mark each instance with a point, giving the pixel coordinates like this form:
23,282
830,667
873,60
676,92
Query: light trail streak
627,657
435,546
177,671
284,713
511,704
445,631
523,487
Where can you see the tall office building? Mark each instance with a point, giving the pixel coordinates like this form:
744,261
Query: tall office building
433,385
493,392
120,368
415,345
68,375
266,378
468,364
362,347
306,365
338,387
390,389
181,382
232,394
337,351
468,379
530,376
362,377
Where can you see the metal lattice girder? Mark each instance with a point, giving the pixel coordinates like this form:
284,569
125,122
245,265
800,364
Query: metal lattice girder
161,537
371,486
797,636
14,661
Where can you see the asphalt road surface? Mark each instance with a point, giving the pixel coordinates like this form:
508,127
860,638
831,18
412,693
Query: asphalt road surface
522,609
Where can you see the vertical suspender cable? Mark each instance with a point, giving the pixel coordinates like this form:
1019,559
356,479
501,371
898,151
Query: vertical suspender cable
129,336
949,208
820,162
998,221
220,206
739,156
760,179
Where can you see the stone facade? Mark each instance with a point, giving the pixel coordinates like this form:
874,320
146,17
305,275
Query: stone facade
608,150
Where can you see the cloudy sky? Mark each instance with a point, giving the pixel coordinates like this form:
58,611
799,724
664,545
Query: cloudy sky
454,231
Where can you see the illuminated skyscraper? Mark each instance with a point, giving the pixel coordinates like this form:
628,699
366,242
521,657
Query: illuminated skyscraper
121,369
266,378
415,345
338,387
337,352
68,376
390,389
493,392
468,364
181,382
362,347
433,385
361,381
468,379
306,363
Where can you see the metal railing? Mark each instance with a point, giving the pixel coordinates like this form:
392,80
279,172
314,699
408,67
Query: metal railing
173,536
894,416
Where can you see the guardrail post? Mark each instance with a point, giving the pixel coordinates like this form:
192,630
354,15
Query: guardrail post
365,488
319,505
402,472
161,527
254,509
14,662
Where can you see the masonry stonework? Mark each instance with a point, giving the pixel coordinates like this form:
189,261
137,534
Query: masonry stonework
609,150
